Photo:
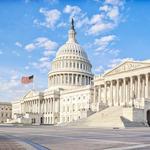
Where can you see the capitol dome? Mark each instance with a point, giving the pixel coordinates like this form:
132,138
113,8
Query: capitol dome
71,67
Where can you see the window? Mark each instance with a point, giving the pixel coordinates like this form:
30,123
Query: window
73,107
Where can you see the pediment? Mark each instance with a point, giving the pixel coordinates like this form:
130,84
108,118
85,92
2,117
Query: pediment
127,66
29,94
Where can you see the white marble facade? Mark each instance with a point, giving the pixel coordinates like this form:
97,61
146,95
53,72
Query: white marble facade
74,94
70,76
124,85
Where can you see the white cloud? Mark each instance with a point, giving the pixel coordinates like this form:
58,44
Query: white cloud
104,41
49,52
96,19
82,22
43,64
10,85
73,10
42,42
103,45
113,14
51,18
18,44
61,24
30,47
114,2
100,27
77,14
99,69
105,8
114,52
45,43
108,18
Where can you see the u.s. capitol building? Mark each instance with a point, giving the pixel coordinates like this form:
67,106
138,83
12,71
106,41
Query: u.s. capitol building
118,98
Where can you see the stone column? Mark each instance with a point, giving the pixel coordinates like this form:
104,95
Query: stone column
62,79
76,79
111,93
94,94
99,99
139,86
72,78
39,104
128,91
118,101
124,89
131,89
53,104
121,102
84,80
50,108
69,79
147,86
143,86
105,86
47,105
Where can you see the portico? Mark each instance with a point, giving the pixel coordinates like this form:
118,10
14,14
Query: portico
123,87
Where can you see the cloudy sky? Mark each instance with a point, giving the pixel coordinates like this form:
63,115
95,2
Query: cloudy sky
31,32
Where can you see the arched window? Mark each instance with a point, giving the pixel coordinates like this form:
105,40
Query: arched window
73,107
74,65
66,64
77,65
80,66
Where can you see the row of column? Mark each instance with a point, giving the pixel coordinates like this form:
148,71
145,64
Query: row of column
44,106
123,91
70,79
72,65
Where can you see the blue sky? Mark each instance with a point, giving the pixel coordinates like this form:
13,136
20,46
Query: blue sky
31,31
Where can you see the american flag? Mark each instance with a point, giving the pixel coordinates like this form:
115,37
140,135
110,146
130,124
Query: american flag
27,80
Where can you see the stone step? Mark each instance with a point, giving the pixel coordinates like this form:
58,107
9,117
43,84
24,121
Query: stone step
109,117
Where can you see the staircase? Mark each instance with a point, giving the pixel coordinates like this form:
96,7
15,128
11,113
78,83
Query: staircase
111,117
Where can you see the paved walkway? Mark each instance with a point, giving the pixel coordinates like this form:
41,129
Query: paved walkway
63,138
9,144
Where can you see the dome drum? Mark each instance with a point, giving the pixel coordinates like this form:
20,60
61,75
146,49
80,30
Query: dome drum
71,67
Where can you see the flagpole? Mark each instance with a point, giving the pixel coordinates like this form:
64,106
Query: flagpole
33,85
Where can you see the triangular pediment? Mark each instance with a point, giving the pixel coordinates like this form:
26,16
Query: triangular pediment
29,94
127,66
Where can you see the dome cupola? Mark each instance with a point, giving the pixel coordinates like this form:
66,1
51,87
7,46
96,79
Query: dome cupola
71,67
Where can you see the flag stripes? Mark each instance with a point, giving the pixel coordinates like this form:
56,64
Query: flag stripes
27,80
